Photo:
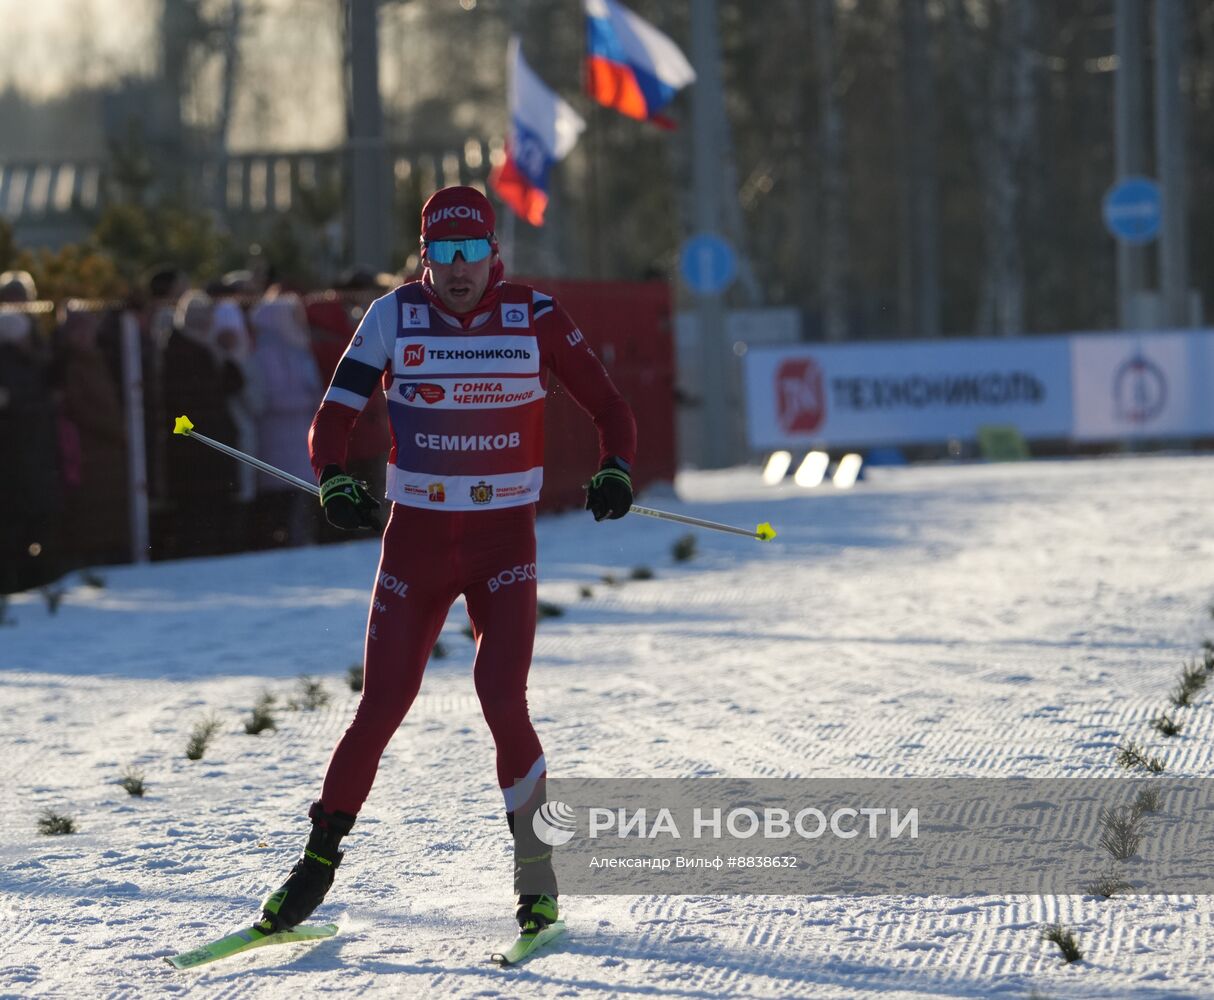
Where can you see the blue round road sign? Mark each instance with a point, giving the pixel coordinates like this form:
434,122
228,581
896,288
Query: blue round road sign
1133,209
708,264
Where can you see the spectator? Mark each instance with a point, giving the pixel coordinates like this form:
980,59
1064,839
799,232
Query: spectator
200,481
18,288
290,385
165,284
233,346
240,283
29,447
96,518
332,320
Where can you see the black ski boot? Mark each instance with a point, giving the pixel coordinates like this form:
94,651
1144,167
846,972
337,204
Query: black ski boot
305,888
535,912
534,878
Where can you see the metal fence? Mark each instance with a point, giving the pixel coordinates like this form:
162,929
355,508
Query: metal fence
51,202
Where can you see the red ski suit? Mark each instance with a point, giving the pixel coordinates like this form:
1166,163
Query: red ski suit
465,396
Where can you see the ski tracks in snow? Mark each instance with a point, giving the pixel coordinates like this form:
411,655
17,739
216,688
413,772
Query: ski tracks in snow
935,622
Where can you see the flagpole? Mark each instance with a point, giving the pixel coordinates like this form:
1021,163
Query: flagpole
596,219
707,111
600,270
506,241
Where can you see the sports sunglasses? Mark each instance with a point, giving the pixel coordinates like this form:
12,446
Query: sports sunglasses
444,251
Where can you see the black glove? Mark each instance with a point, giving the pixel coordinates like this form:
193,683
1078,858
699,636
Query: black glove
346,501
609,494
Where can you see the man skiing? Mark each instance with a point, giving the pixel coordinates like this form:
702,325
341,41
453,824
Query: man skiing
460,356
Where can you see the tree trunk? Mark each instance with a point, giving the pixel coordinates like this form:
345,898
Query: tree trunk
1002,116
1014,122
833,272
227,96
919,265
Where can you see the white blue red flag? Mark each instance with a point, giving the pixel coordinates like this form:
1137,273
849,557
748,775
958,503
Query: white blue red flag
630,65
543,129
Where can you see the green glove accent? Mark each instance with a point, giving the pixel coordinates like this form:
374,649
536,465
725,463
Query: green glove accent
347,503
609,494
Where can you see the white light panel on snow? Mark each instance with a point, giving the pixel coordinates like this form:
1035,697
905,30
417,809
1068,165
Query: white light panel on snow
812,469
776,467
847,471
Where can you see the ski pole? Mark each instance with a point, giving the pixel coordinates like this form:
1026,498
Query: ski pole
185,427
763,532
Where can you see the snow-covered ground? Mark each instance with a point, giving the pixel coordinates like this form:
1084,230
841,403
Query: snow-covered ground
976,620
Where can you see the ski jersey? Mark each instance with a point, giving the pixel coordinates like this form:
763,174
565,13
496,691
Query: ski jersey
466,396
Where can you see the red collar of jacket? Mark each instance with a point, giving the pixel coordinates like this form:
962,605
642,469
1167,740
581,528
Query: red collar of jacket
488,300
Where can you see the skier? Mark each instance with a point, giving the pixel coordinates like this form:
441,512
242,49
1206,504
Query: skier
461,356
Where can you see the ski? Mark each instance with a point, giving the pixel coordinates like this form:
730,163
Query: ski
247,939
528,943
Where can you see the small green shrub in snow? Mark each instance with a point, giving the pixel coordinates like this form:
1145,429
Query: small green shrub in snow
1107,885
53,824
1165,725
1192,680
200,736
53,597
1120,832
132,782
546,609
684,548
312,695
1064,937
262,717
1148,800
1131,755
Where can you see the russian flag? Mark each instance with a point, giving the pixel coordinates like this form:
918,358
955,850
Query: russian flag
630,65
543,129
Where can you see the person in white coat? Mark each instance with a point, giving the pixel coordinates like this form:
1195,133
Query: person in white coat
289,386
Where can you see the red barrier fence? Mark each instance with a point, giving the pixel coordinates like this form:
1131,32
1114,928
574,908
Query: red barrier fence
629,325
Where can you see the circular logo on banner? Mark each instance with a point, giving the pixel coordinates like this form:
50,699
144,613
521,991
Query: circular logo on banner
1140,390
800,399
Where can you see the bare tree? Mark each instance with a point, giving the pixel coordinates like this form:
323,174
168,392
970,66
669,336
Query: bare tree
834,266
919,268
1001,113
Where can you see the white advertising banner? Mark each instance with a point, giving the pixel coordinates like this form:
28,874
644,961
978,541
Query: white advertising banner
1140,385
906,392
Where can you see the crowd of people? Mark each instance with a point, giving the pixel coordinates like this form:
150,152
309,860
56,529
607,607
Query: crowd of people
247,363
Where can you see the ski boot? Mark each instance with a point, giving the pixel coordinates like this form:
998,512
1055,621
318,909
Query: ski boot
534,878
310,879
535,912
